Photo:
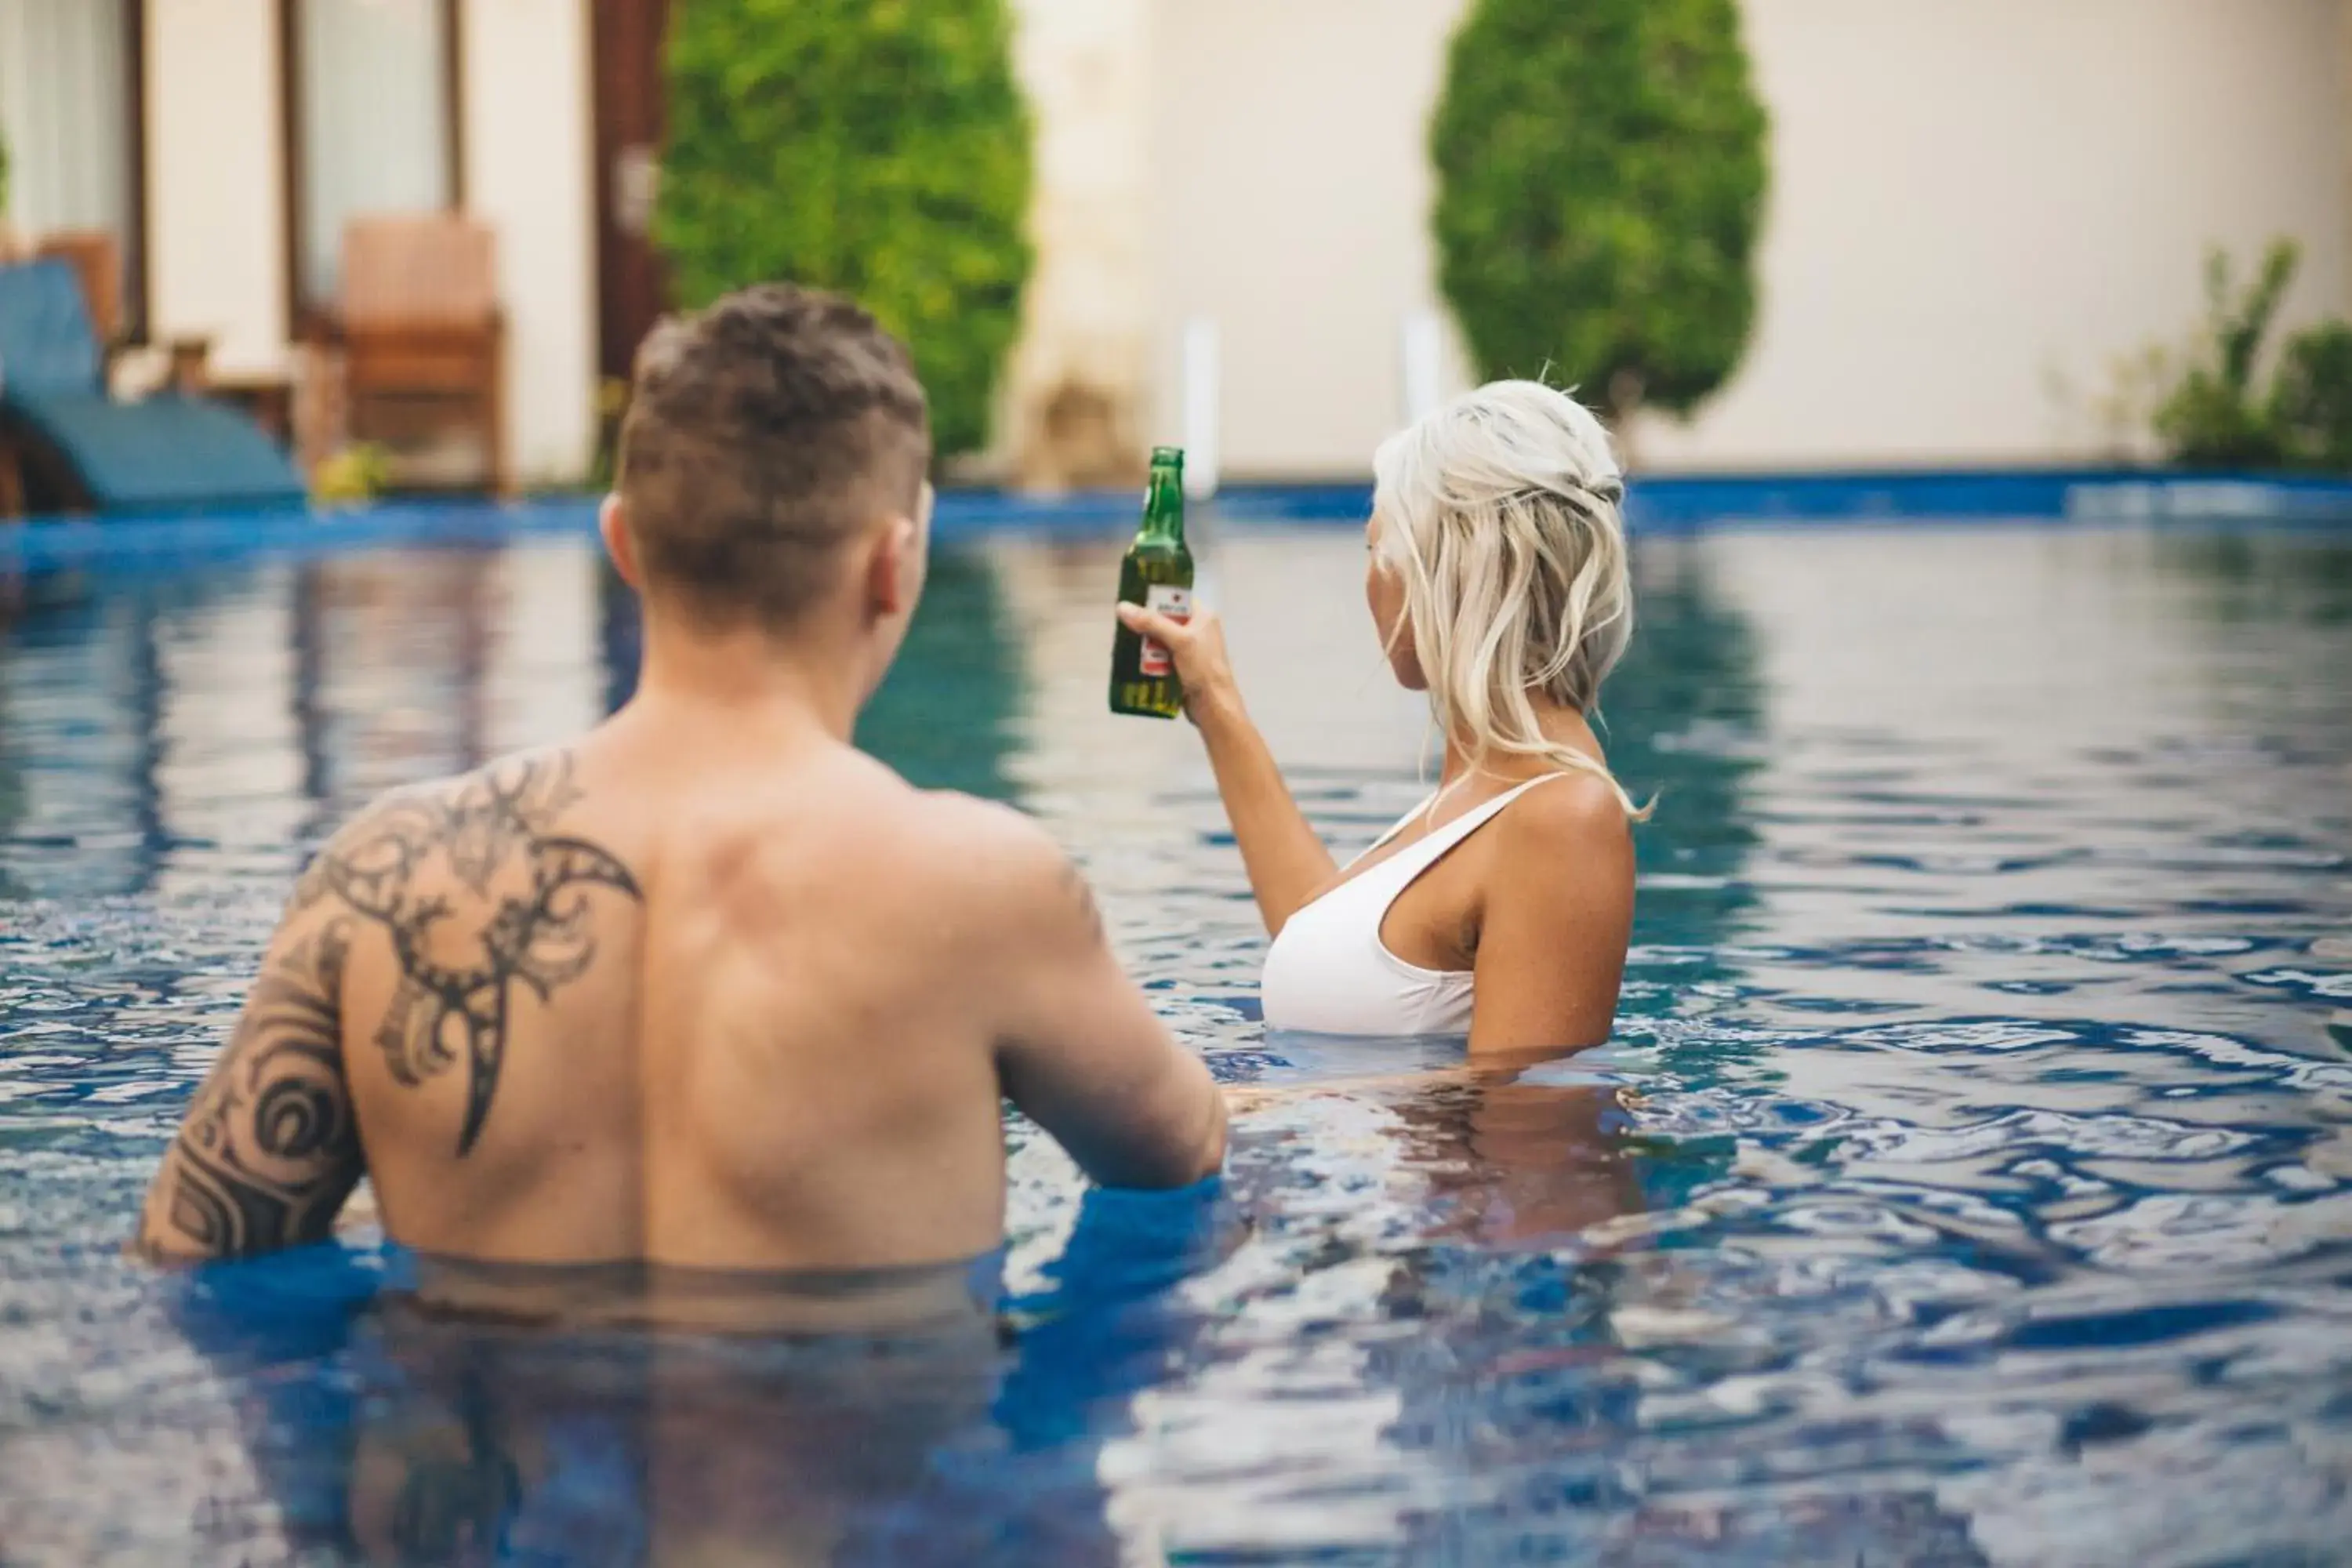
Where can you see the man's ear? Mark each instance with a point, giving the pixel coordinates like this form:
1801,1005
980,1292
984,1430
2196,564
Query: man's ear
612,527
894,570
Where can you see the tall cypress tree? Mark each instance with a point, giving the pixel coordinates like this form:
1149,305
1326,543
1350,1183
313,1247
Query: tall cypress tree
1602,179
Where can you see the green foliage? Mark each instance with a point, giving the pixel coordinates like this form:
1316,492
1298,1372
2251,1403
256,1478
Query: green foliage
4,174
612,407
877,147
2311,401
352,477
2214,415
1602,177
2218,414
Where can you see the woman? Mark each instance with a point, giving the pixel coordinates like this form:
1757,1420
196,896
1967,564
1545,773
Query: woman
1501,907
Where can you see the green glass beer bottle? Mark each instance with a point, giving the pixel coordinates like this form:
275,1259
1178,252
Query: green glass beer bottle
1157,574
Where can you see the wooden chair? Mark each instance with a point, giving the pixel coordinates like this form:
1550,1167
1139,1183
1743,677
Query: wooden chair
423,339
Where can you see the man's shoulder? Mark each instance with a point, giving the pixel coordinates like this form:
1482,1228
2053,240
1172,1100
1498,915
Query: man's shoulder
949,878
467,825
984,843
994,862
530,790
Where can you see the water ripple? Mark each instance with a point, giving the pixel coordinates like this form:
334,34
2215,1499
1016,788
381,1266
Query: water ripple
1970,1181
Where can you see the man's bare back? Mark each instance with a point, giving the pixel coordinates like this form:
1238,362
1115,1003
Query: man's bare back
709,989
598,1003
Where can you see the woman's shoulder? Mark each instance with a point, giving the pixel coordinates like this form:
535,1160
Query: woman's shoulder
1561,814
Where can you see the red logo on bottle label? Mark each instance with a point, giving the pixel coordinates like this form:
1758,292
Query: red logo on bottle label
1174,602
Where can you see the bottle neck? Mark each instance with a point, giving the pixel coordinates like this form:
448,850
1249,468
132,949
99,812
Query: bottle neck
1163,509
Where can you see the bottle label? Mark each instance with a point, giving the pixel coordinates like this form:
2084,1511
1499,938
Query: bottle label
1176,604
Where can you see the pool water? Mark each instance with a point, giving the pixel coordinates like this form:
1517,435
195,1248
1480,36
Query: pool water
1970,1179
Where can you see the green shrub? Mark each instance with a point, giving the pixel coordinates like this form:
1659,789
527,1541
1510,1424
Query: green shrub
2311,400
1602,177
2218,414
877,147
2215,417
352,477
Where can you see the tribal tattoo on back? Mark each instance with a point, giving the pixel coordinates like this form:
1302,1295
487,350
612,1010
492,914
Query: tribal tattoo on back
270,1148
494,834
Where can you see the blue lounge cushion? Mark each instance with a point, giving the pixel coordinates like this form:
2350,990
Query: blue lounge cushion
167,453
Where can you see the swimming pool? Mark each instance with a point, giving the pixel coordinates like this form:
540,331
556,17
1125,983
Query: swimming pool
1970,1179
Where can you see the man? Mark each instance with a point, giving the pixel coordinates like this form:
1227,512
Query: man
709,989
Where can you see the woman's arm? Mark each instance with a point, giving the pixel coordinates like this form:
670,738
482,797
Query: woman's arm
1556,915
1286,863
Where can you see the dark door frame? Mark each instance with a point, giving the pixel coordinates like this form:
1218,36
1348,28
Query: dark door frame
632,284
134,240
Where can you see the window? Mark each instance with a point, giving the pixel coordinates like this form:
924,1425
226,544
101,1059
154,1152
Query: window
371,123
70,107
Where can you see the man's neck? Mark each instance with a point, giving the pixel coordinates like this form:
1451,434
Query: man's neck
751,686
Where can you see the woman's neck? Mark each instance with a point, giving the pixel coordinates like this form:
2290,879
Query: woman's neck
1555,720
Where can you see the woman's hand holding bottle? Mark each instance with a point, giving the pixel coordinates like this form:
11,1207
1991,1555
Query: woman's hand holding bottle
1197,647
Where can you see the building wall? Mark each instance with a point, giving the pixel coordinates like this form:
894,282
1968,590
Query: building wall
1289,196
216,205
215,187
1977,210
529,154
1076,388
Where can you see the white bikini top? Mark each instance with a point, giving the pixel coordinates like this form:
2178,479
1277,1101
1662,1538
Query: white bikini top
1329,974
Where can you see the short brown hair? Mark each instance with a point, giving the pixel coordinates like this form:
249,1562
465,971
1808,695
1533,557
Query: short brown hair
762,434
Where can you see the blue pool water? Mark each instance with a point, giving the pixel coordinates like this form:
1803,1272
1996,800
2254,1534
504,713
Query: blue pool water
1970,1179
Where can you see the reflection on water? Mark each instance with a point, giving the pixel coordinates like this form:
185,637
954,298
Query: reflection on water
1970,1179
448,1436
462,1442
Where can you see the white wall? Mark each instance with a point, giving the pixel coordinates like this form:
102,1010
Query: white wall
217,208
1290,193
1086,68
530,150
1972,201
215,202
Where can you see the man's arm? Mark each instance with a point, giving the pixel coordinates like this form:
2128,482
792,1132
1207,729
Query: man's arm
1082,1054
269,1148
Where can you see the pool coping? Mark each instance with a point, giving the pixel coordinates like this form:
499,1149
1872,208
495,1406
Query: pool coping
1665,503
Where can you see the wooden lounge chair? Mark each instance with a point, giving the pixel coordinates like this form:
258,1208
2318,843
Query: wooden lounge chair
423,346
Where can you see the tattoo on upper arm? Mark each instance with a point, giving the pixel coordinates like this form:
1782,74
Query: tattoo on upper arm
269,1150
535,925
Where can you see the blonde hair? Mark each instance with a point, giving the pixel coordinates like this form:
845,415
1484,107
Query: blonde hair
1502,512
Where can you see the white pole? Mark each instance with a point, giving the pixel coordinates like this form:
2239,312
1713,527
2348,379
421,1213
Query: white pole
1201,404
1422,348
